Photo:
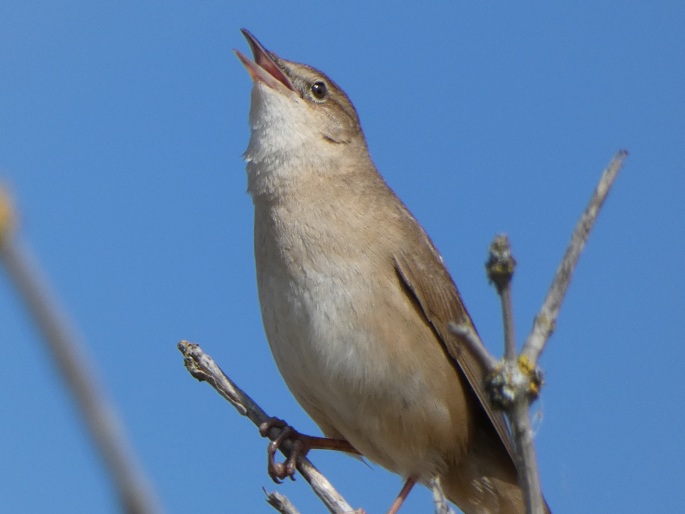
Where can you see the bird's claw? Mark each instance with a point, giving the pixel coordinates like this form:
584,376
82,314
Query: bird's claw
278,471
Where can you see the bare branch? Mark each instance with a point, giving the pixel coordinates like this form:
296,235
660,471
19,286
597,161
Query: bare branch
98,413
439,499
545,321
510,386
500,269
515,384
281,503
203,368
475,343
529,477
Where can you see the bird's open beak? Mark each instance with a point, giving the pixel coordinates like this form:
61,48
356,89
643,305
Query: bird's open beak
264,68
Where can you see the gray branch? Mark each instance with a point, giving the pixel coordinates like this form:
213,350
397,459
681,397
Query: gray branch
439,499
500,269
514,383
546,319
281,503
473,340
509,386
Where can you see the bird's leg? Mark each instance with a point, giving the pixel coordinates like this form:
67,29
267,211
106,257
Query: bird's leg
301,444
406,488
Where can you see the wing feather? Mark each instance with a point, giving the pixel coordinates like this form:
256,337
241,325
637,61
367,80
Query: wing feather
424,275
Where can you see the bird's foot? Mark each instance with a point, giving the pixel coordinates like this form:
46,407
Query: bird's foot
300,446
278,471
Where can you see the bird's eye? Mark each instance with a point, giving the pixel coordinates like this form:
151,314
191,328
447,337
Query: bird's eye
319,90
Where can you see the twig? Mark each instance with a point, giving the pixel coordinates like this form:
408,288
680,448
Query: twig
529,476
439,499
203,368
547,317
474,342
500,269
510,385
99,415
280,502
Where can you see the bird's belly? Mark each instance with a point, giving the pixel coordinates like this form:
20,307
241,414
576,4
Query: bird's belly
357,359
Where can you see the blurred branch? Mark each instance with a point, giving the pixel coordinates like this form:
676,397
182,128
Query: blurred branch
99,415
203,368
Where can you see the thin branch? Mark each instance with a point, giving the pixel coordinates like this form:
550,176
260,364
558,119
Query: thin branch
99,415
546,319
500,270
475,343
508,321
203,368
439,499
281,503
509,386
529,476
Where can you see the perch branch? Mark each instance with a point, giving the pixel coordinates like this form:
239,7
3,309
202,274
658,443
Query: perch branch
203,368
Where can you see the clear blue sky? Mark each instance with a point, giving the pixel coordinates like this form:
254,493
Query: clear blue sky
121,133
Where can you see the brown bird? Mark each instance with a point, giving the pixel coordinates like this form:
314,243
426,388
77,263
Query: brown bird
356,301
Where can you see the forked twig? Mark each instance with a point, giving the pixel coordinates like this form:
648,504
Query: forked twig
516,382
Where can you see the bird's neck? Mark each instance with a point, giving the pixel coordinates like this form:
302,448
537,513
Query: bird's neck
278,169
288,150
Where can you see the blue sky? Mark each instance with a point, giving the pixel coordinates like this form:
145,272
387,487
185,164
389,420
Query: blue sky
121,133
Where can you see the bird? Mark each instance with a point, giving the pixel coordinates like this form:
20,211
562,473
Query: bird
356,301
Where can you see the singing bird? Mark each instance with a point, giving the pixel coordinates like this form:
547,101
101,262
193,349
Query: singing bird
356,300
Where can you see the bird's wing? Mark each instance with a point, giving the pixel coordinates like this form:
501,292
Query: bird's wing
420,268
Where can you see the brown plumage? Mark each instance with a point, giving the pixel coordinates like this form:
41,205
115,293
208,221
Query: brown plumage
356,300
